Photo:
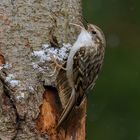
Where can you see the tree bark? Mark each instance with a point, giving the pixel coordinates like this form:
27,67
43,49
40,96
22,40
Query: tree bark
29,111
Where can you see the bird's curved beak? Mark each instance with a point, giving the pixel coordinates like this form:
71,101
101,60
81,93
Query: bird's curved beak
83,28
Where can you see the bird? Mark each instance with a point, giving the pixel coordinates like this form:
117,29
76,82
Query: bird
83,65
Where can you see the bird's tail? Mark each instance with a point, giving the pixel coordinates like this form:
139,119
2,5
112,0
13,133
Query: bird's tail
68,108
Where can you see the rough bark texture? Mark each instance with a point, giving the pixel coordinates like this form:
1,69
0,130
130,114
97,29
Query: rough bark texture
27,111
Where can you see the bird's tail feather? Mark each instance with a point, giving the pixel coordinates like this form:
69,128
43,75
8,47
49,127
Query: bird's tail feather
68,108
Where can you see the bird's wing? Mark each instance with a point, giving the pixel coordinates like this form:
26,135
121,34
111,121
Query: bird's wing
63,87
86,67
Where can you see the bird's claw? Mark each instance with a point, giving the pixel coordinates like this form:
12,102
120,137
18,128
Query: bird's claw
56,63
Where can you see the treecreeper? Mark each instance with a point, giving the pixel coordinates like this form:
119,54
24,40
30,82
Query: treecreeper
81,68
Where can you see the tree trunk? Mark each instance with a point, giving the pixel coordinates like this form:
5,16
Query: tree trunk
29,111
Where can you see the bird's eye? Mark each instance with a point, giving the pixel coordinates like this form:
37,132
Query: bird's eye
93,32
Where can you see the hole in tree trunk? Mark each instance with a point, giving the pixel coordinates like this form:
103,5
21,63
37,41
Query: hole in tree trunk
49,111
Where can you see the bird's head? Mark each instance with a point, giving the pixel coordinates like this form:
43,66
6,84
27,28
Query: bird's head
96,33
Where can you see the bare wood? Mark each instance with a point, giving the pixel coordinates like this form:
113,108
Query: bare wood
25,26
50,110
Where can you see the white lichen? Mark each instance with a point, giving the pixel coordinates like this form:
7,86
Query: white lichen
14,83
9,77
7,65
41,55
45,46
31,89
11,81
47,53
36,66
20,96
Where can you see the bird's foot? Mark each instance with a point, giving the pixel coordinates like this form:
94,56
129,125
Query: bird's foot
56,63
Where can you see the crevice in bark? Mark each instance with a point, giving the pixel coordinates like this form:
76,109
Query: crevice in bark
49,111
6,93
8,106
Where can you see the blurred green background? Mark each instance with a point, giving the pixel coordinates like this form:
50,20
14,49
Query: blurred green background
114,105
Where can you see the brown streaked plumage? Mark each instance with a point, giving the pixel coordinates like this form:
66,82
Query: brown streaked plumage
83,65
